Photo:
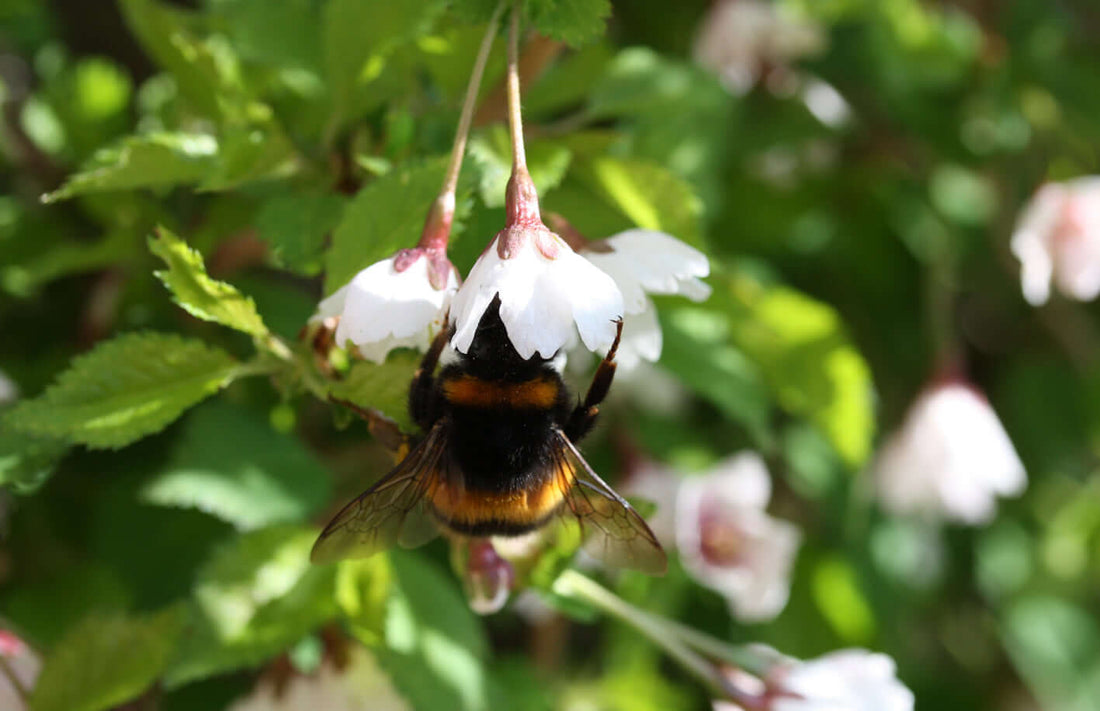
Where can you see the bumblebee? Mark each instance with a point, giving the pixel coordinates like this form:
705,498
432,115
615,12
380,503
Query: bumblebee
498,458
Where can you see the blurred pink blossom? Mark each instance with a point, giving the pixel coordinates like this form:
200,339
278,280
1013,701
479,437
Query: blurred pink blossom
1057,239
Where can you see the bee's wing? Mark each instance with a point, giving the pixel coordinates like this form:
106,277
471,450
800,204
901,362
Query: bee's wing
392,511
614,532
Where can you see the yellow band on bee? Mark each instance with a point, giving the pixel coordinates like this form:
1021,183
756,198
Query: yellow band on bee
468,391
455,503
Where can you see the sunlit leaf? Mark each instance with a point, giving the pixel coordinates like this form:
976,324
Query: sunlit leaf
197,293
125,389
383,387
153,160
238,468
296,226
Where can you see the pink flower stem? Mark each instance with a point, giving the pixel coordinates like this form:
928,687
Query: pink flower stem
521,200
437,225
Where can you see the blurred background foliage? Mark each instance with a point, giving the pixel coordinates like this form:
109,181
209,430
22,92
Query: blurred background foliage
852,246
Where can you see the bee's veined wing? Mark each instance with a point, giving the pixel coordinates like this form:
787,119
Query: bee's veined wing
614,532
392,511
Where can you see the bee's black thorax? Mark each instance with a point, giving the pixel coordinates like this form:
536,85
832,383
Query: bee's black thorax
502,410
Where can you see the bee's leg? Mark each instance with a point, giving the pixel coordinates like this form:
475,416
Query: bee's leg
381,427
583,417
422,400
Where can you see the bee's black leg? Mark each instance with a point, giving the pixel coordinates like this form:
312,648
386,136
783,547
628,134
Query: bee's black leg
381,427
422,400
583,417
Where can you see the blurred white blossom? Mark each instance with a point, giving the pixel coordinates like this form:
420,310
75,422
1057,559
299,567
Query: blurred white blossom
951,458
742,40
729,543
397,302
9,391
547,294
1057,239
845,680
24,665
360,686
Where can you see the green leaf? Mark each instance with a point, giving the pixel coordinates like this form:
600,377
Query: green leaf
27,461
360,36
208,79
800,346
698,348
105,661
153,160
256,597
435,647
574,22
382,218
492,152
125,389
646,193
296,225
381,386
233,466
197,293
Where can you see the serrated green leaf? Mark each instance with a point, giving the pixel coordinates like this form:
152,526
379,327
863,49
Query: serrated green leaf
105,661
646,193
296,226
435,647
491,151
197,293
574,22
233,466
256,597
27,461
800,346
155,160
125,389
381,386
382,218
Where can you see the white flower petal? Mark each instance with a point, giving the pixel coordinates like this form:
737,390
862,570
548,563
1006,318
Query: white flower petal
846,680
9,391
382,308
951,458
647,261
542,300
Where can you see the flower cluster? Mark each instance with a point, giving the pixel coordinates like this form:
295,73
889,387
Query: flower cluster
727,540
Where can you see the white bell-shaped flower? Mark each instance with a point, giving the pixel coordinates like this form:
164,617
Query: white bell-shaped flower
729,543
950,459
644,262
1058,239
546,291
845,680
397,302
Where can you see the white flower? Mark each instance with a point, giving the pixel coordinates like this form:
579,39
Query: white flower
544,289
740,40
9,391
1058,238
394,303
728,542
846,680
951,458
647,262
360,685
